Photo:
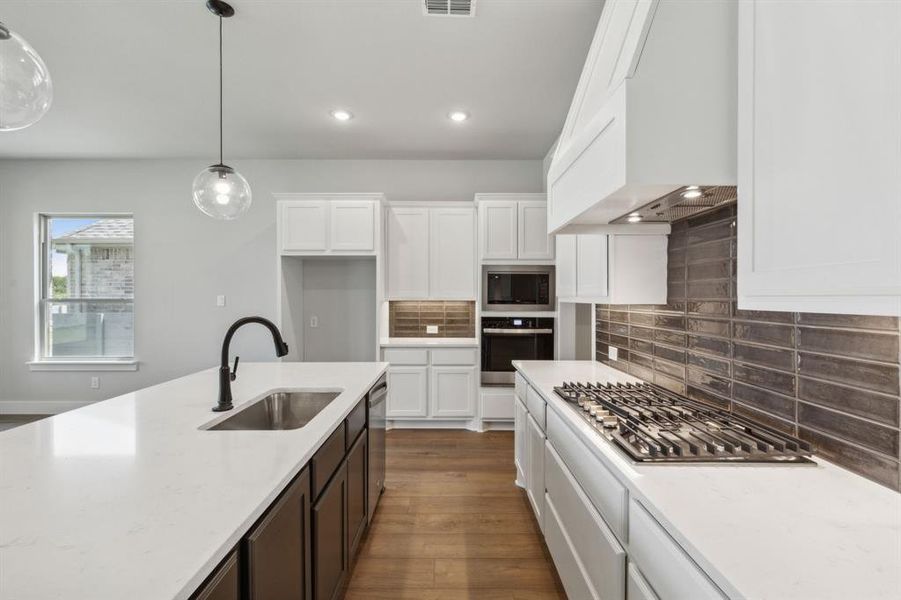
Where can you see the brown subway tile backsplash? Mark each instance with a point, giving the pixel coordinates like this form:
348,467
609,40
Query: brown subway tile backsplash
831,379
409,318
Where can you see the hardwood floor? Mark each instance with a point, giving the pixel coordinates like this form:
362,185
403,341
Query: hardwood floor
452,525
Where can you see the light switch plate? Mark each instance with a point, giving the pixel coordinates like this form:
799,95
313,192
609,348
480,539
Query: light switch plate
314,322
431,329
613,353
220,300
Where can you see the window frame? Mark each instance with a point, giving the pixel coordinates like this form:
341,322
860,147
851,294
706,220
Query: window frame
43,284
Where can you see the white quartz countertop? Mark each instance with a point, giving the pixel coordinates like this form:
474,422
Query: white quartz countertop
780,532
129,498
429,341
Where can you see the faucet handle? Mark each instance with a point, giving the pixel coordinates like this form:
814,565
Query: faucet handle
234,373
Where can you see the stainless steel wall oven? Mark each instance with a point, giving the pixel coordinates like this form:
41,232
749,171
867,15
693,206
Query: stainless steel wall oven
505,339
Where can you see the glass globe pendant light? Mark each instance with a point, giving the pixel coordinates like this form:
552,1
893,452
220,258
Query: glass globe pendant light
26,91
219,190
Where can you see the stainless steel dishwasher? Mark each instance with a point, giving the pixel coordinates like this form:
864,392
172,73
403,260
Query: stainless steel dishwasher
378,399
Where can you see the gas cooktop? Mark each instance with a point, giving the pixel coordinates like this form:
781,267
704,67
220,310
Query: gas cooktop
652,424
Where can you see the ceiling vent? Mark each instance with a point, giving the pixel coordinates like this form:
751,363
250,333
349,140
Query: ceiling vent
449,8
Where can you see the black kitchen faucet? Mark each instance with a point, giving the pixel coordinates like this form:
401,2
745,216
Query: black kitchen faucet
227,375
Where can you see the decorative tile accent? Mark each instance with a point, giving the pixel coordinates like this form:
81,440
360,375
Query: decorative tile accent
830,379
408,318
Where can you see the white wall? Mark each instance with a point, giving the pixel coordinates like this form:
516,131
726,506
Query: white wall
184,259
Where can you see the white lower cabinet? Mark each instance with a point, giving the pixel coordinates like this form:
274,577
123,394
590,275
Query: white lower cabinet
453,391
520,437
535,479
569,567
436,384
408,389
637,588
497,404
667,569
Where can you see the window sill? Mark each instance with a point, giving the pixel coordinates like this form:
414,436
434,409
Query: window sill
83,365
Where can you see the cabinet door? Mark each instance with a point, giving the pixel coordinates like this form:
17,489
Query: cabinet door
408,253
452,250
453,391
303,226
521,443
278,547
357,493
566,266
535,488
497,220
224,583
330,558
352,226
819,181
408,392
533,241
591,266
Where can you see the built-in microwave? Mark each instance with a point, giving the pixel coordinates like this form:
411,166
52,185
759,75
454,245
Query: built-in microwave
518,288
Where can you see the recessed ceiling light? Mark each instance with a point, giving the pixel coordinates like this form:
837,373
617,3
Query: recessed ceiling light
692,187
458,116
635,214
634,218
342,115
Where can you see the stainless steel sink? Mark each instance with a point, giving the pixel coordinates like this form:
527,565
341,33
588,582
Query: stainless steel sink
279,410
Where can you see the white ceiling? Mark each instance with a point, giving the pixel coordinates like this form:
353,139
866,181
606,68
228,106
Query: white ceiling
138,78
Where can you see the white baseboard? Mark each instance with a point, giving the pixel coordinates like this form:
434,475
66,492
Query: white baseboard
39,407
469,424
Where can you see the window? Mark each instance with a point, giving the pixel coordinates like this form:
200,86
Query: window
86,297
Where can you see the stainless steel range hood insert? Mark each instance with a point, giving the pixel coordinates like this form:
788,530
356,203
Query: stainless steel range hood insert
684,202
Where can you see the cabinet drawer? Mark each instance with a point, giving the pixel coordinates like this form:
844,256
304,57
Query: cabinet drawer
327,459
604,490
455,356
537,407
666,567
356,422
497,405
406,356
603,559
636,586
521,387
569,567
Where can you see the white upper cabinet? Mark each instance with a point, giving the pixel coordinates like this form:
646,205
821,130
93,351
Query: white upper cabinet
431,252
819,220
655,110
323,224
612,269
408,252
513,227
452,249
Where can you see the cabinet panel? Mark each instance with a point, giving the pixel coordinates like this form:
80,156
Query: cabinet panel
453,391
452,248
278,548
357,493
819,180
408,392
330,556
666,567
520,442
498,222
569,567
406,356
497,405
352,225
533,241
303,226
224,583
535,488
408,253
455,356
537,407
592,266
637,588
566,266
328,458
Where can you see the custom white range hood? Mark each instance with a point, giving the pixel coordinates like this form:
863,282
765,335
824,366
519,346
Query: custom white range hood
654,111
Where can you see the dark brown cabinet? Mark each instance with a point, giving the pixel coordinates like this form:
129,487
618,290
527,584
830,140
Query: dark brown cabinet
277,549
330,564
224,583
357,492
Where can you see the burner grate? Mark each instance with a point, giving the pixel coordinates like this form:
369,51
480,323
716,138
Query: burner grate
652,424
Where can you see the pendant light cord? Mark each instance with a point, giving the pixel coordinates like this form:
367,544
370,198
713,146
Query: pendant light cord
220,90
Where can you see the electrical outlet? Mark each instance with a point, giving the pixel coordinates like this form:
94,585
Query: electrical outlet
314,321
612,353
220,300
431,329
95,383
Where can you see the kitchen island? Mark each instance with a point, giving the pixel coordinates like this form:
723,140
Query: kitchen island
757,531
134,498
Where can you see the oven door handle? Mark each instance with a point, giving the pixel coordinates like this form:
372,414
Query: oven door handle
492,331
